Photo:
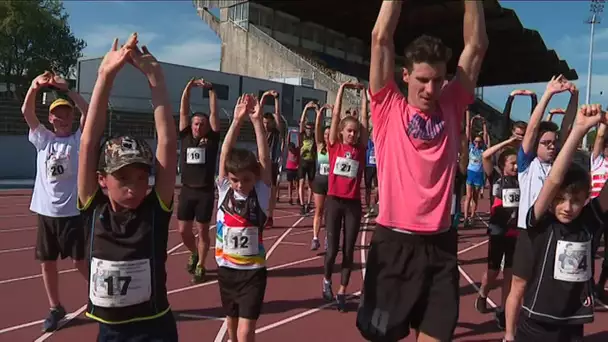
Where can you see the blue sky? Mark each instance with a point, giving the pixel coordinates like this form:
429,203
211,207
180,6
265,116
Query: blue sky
175,34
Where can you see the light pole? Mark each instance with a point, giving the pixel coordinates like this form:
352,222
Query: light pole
596,8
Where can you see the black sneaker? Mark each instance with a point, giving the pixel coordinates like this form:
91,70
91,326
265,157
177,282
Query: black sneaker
500,318
481,304
314,245
302,210
52,320
328,294
341,302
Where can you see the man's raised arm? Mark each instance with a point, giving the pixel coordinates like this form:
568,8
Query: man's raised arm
475,45
382,68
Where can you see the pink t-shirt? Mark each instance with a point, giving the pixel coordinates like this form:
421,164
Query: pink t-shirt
293,160
416,158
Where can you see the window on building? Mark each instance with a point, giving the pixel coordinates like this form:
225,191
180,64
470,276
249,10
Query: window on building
222,91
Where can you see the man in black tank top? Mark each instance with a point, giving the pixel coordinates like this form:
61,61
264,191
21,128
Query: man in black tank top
276,142
127,229
200,138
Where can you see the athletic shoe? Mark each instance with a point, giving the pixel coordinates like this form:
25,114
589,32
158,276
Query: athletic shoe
199,275
315,244
500,318
192,262
341,302
52,320
328,294
481,304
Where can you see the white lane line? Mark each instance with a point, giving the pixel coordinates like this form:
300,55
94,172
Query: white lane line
13,250
61,324
203,317
224,328
466,276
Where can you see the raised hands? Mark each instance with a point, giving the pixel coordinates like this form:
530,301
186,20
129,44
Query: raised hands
559,84
116,58
145,62
201,83
353,85
245,105
522,92
49,79
589,116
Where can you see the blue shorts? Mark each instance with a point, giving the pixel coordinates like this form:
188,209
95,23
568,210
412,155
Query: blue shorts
475,178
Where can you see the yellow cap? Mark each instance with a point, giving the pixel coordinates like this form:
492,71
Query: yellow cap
59,103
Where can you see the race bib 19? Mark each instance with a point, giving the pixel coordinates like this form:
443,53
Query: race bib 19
346,167
510,198
323,169
195,155
57,168
572,261
241,241
116,284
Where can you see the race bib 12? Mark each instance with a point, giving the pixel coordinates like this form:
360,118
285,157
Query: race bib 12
346,167
572,261
116,284
195,155
241,241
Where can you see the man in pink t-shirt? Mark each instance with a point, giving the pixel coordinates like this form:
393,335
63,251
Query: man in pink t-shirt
411,278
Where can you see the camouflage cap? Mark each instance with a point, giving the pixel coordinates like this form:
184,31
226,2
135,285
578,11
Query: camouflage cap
122,151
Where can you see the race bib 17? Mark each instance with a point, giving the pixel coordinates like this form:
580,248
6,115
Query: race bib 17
241,241
195,155
116,284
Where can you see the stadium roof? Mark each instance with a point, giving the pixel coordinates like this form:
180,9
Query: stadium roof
516,55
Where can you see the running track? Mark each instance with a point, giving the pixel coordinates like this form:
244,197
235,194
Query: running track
292,308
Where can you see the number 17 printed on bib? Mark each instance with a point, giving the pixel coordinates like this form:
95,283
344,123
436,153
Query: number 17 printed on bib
116,284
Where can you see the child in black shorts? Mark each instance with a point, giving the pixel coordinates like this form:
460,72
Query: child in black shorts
558,299
244,195
127,229
502,227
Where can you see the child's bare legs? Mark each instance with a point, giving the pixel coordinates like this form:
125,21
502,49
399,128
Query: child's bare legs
241,329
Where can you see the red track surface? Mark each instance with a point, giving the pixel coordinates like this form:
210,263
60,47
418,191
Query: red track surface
293,308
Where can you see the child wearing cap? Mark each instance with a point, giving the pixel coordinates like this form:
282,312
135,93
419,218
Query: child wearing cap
243,200
127,228
59,231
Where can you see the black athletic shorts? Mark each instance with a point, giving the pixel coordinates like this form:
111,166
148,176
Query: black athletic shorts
371,177
498,247
524,252
307,170
320,185
161,329
195,203
275,173
411,281
529,330
292,175
242,291
60,237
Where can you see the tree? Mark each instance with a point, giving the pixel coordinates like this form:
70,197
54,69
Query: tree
34,37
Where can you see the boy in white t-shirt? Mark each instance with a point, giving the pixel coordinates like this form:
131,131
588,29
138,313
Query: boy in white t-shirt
60,231
243,184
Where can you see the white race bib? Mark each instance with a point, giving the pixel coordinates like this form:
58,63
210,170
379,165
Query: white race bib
195,155
323,169
372,159
510,198
572,261
116,284
453,204
241,241
495,189
57,168
346,167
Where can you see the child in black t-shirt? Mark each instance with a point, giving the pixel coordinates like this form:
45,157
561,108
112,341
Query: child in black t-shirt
558,242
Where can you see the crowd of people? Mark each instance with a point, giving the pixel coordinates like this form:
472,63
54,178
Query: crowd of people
94,204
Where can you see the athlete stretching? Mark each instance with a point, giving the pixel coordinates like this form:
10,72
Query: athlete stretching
412,272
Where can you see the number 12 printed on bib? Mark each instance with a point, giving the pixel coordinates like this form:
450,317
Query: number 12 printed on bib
241,241
116,284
